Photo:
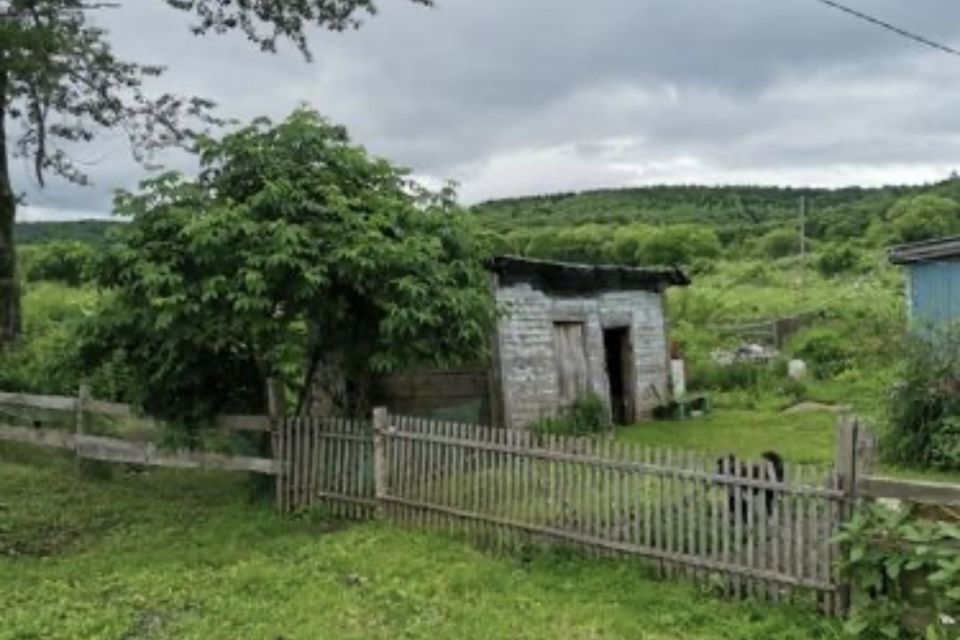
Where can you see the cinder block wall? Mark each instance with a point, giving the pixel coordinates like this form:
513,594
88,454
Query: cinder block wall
526,375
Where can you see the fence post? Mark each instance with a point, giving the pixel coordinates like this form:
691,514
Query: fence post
846,468
277,409
867,450
381,462
83,398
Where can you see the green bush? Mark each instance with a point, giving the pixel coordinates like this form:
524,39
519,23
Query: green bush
826,352
837,259
924,408
588,415
795,390
924,217
899,564
679,244
750,376
945,444
755,273
62,261
780,243
628,242
40,361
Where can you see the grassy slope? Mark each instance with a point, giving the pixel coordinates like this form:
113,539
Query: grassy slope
866,308
168,555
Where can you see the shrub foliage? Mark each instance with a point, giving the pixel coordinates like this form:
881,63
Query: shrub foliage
292,245
924,407
588,414
896,563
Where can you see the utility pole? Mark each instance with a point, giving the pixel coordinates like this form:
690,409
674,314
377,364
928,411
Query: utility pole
803,240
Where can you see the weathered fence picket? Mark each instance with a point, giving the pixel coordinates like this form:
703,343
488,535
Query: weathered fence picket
685,513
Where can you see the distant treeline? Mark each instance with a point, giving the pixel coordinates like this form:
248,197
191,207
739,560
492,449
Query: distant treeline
673,224
734,212
86,231
686,224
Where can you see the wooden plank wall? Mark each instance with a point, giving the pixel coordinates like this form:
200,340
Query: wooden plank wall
456,394
688,514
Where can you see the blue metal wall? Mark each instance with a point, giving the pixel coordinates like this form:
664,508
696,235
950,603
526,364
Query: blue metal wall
934,290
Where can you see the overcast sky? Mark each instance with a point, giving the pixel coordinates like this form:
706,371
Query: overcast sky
515,97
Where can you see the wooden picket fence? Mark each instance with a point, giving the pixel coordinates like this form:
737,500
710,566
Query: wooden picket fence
728,523
329,461
687,513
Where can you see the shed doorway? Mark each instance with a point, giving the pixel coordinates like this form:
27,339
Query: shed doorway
619,360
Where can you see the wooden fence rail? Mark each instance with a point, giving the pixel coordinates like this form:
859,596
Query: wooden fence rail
142,453
82,402
126,451
933,493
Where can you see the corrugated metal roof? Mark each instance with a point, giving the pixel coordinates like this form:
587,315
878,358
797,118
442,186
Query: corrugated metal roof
574,277
926,251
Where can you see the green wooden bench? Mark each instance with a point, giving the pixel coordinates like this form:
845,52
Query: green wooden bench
685,407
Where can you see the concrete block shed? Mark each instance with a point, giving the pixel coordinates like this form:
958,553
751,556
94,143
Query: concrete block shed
569,329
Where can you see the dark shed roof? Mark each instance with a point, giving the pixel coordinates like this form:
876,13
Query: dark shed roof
573,278
926,251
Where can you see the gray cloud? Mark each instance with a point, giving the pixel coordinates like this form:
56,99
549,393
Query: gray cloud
522,96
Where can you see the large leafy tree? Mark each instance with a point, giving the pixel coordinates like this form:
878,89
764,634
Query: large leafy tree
292,246
924,217
61,84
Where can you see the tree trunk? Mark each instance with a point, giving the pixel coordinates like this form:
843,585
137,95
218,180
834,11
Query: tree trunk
9,287
335,389
325,392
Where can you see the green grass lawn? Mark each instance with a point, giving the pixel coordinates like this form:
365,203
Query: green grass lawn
799,437
188,555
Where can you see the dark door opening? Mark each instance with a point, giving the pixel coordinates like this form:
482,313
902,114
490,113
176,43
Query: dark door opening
616,343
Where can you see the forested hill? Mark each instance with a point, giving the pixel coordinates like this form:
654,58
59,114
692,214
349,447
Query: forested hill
730,210
734,214
85,231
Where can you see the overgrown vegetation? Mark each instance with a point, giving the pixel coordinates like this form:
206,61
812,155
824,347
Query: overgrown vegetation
588,415
906,574
69,262
924,408
851,328
41,362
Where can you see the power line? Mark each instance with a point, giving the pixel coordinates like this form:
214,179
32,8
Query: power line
891,27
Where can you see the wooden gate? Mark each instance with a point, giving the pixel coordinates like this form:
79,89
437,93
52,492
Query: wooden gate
328,461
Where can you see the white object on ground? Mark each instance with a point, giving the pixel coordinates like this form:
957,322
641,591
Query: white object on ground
679,378
797,369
